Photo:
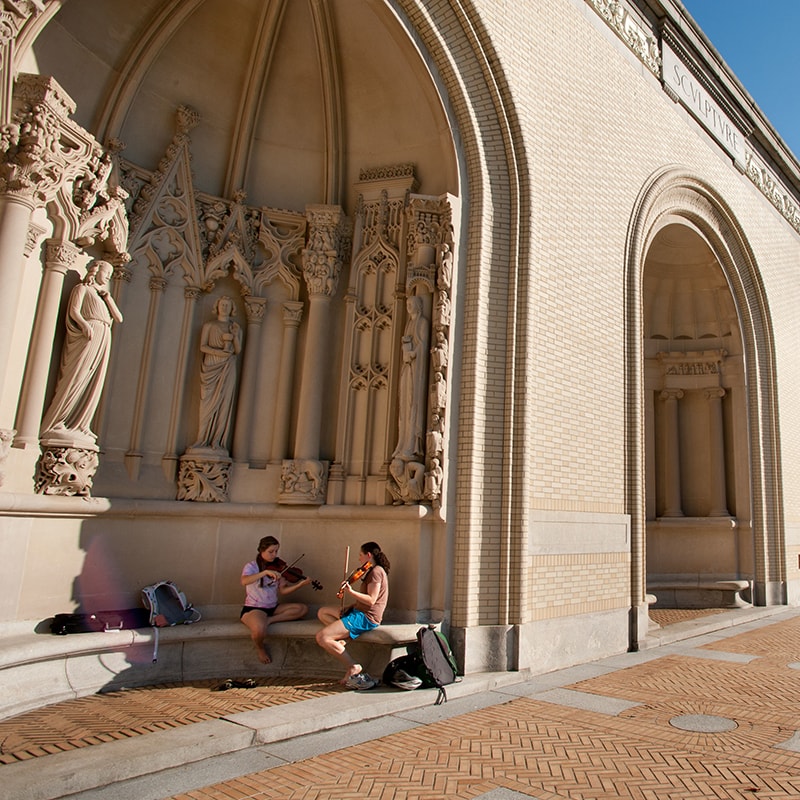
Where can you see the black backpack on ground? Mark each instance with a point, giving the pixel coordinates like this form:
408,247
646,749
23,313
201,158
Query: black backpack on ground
430,664
83,622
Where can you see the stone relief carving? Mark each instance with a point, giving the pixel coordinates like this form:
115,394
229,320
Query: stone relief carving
204,479
66,471
413,380
303,481
415,469
772,190
84,360
632,32
220,343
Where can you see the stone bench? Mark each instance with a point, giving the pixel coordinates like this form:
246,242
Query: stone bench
699,593
37,669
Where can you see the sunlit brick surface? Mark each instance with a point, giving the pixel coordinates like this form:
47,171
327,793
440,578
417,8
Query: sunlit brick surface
538,749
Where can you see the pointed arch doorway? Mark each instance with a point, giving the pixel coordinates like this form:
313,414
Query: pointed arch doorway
704,486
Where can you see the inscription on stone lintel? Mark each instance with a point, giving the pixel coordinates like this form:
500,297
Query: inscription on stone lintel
691,94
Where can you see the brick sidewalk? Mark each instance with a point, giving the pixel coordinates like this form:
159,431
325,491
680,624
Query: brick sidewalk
106,717
549,751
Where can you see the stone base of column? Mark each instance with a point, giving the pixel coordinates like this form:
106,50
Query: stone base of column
304,482
66,470
204,476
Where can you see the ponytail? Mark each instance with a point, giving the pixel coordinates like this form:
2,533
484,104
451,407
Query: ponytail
380,558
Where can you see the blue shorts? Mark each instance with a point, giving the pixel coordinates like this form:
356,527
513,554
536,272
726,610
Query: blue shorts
357,623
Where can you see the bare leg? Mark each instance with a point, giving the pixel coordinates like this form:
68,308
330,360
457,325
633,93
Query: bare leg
332,639
328,614
257,622
285,612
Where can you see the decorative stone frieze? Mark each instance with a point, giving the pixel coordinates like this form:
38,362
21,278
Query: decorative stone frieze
304,481
772,189
619,18
692,364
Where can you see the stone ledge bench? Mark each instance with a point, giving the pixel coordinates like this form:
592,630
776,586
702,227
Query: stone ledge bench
37,669
699,593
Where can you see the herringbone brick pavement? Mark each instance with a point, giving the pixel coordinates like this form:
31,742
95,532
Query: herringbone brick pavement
120,715
553,752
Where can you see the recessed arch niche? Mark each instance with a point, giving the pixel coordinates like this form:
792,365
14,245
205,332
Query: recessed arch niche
685,246
697,460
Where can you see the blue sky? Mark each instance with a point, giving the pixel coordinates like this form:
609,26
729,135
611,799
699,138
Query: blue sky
759,42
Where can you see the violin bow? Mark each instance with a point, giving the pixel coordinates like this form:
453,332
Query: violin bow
346,573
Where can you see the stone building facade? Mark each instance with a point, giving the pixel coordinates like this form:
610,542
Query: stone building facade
507,287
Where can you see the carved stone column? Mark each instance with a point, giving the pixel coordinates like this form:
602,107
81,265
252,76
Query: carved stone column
254,308
672,454
305,477
718,496
133,457
15,215
292,316
59,258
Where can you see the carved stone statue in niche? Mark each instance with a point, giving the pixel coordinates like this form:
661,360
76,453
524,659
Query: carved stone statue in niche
438,392
439,355
445,267
84,359
413,383
433,480
409,481
435,440
220,343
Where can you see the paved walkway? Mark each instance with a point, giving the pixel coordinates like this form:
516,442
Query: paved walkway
714,712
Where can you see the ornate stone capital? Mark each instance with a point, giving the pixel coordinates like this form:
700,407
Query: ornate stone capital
255,308
66,470
325,251
60,256
292,314
42,147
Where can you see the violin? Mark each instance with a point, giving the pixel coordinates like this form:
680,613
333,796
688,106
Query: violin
356,575
292,573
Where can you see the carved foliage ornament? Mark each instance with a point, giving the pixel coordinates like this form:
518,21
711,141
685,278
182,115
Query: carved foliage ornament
66,471
42,148
205,480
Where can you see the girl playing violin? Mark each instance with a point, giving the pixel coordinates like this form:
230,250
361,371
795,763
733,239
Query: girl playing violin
264,584
364,615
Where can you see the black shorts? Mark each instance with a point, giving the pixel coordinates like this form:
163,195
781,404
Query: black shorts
268,611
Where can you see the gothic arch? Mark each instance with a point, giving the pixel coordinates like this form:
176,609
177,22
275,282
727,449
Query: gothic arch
674,194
